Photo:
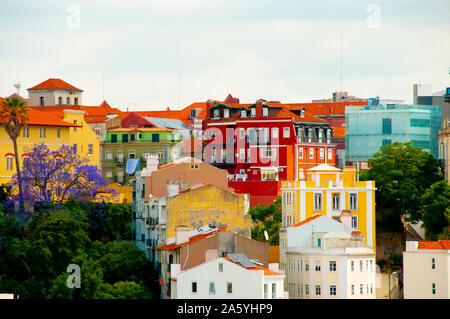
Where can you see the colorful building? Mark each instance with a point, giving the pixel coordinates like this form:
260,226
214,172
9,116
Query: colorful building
330,191
426,270
125,146
43,127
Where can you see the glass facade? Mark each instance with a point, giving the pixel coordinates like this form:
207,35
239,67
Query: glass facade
370,127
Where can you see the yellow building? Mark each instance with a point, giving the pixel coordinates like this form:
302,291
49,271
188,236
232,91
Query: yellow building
68,128
330,191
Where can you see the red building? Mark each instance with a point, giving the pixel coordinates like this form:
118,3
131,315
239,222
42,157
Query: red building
263,143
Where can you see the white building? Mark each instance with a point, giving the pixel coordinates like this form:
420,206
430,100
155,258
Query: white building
326,259
426,270
231,277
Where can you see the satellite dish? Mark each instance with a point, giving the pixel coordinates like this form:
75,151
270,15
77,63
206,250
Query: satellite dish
266,235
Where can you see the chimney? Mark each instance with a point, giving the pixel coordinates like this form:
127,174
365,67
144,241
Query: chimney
209,105
172,188
181,234
259,107
274,267
346,218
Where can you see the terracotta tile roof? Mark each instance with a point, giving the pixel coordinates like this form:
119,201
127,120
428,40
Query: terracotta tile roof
55,84
192,240
267,272
44,118
439,244
323,108
307,220
144,129
338,131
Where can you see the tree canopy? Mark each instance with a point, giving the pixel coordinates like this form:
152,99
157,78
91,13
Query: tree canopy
266,218
436,210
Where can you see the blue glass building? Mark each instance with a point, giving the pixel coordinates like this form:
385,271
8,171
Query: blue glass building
369,127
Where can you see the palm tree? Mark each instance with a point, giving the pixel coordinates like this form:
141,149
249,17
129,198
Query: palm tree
13,116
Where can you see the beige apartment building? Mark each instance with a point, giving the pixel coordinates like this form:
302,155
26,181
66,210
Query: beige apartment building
426,269
444,149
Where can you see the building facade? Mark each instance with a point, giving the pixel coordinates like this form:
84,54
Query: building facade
327,259
371,127
231,277
426,270
330,191
127,145
444,149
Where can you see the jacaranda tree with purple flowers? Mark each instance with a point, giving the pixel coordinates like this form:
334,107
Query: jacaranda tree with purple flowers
56,176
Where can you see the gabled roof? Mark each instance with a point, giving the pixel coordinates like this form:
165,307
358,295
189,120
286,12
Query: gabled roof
438,245
307,220
192,239
46,119
54,84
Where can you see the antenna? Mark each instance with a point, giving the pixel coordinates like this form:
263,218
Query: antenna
17,86
341,57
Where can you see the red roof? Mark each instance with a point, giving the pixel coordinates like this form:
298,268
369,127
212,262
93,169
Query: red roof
307,220
192,239
267,272
338,131
324,108
439,245
44,118
55,84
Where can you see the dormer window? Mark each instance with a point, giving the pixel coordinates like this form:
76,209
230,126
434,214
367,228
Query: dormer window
192,113
226,113
253,112
265,111
216,113
243,113
302,113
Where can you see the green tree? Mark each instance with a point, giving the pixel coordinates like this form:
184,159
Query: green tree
124,290
402,173
436,210
13,116
266,218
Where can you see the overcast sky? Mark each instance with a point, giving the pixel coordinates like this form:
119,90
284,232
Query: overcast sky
158,53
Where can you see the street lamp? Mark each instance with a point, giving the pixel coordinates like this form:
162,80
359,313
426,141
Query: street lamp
389,280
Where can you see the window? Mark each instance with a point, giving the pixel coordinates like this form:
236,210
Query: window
26,132
243,113
132,137
286,132
433,288
330,154
311,153
41,101
274,132
433,263
265,111
60,100
266,293
301,174
58,132
98,131
353,289
108,155
420,123
353,201
108,173
317,201
9,163
131,154
125,138
68,100
216,113
267,152
336,201
220,267
155,138
75,128
306,289
113,138
352,265
229,287
90,149
274,291
318,290
360,265
361,289
333,265
75,101
300,152
212,288
386,142
192,113
317,265
242,153
242,133
321,153
333,290
387,126
75,147
226,113
194,286
253,112
306,266
354,221
42,132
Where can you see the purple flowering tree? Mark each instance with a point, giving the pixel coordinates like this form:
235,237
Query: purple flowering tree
55,176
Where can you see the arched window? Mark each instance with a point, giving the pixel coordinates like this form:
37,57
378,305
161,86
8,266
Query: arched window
9,162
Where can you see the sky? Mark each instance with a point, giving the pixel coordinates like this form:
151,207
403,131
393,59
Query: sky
154,54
